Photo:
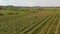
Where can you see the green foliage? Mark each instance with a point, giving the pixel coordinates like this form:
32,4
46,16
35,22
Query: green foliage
16,20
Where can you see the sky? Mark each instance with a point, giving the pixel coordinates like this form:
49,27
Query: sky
30,2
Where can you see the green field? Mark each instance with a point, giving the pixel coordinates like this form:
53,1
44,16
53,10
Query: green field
30,21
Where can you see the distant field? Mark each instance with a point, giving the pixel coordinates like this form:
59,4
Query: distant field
30,21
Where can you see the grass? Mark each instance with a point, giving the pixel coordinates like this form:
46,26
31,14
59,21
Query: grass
26,20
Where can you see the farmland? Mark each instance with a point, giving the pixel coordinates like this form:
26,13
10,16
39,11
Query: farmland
30,21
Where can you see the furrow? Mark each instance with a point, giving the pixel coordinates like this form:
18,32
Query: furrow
23,28
46,27
38,26
58,27
52,28
33,26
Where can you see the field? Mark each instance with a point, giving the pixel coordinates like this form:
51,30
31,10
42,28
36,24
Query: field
30,21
